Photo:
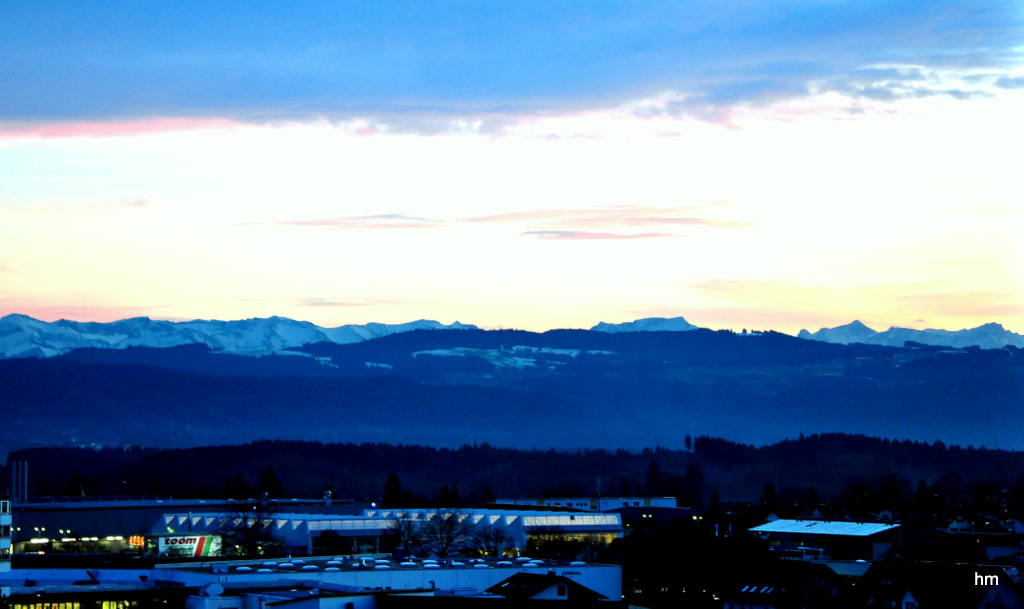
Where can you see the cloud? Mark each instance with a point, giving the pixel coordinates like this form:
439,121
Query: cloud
614,217
373,222
592,223
568,235
99,313
329,302
896,82
1010,82
75,129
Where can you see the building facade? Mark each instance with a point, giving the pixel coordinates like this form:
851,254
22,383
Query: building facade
5,535
594,504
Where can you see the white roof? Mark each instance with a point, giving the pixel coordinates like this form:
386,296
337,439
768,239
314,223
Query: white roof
824,527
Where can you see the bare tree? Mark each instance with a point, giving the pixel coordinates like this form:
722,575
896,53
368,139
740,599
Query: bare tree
446,531
492,540
403,533
249,531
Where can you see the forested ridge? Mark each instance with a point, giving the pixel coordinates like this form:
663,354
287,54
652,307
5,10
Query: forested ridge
565,389
831,467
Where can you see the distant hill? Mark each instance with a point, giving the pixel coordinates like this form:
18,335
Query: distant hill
566,388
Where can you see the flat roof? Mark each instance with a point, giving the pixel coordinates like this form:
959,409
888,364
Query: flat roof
825,527
313,564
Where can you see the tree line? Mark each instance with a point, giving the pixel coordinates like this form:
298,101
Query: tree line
868,473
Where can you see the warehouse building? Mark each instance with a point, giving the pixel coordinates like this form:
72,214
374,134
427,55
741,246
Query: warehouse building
303,534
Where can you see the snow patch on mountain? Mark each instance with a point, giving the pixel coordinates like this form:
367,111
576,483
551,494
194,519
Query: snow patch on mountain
649,324
23,336
988,336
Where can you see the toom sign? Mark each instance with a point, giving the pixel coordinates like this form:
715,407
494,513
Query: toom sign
189,545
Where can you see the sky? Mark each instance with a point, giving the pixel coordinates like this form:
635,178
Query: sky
534,165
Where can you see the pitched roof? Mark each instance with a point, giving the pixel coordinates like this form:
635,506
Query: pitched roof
528,585
931,584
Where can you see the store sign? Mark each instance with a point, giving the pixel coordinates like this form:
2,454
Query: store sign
189,545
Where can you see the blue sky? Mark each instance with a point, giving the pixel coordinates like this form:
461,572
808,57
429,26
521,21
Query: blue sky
270,60
514,164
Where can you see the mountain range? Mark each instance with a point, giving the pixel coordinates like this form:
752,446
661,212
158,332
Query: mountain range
23,336
561,388
988,336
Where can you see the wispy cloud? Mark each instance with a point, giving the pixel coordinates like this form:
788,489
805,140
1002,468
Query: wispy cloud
1010,82
87,129
330,302
592,223
77,312
895,82
571,235
373,222
607,222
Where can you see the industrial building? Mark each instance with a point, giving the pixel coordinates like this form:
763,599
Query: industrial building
300,534
594,504
115,525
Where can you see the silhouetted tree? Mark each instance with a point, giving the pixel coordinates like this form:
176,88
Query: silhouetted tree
393,496
249,531
654,480
770,499
270,485
447,531
491,540
403,534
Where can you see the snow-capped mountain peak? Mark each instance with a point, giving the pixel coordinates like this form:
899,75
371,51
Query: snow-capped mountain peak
853,332
650,324
987,336
23,336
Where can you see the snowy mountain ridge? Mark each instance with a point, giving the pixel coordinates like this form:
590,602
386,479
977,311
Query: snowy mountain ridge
649,324
23,336
987,336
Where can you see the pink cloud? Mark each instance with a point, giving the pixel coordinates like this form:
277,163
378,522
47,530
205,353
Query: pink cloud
327,302
111,129
572,235
98,313
609,217
380,221
375,221
543,223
